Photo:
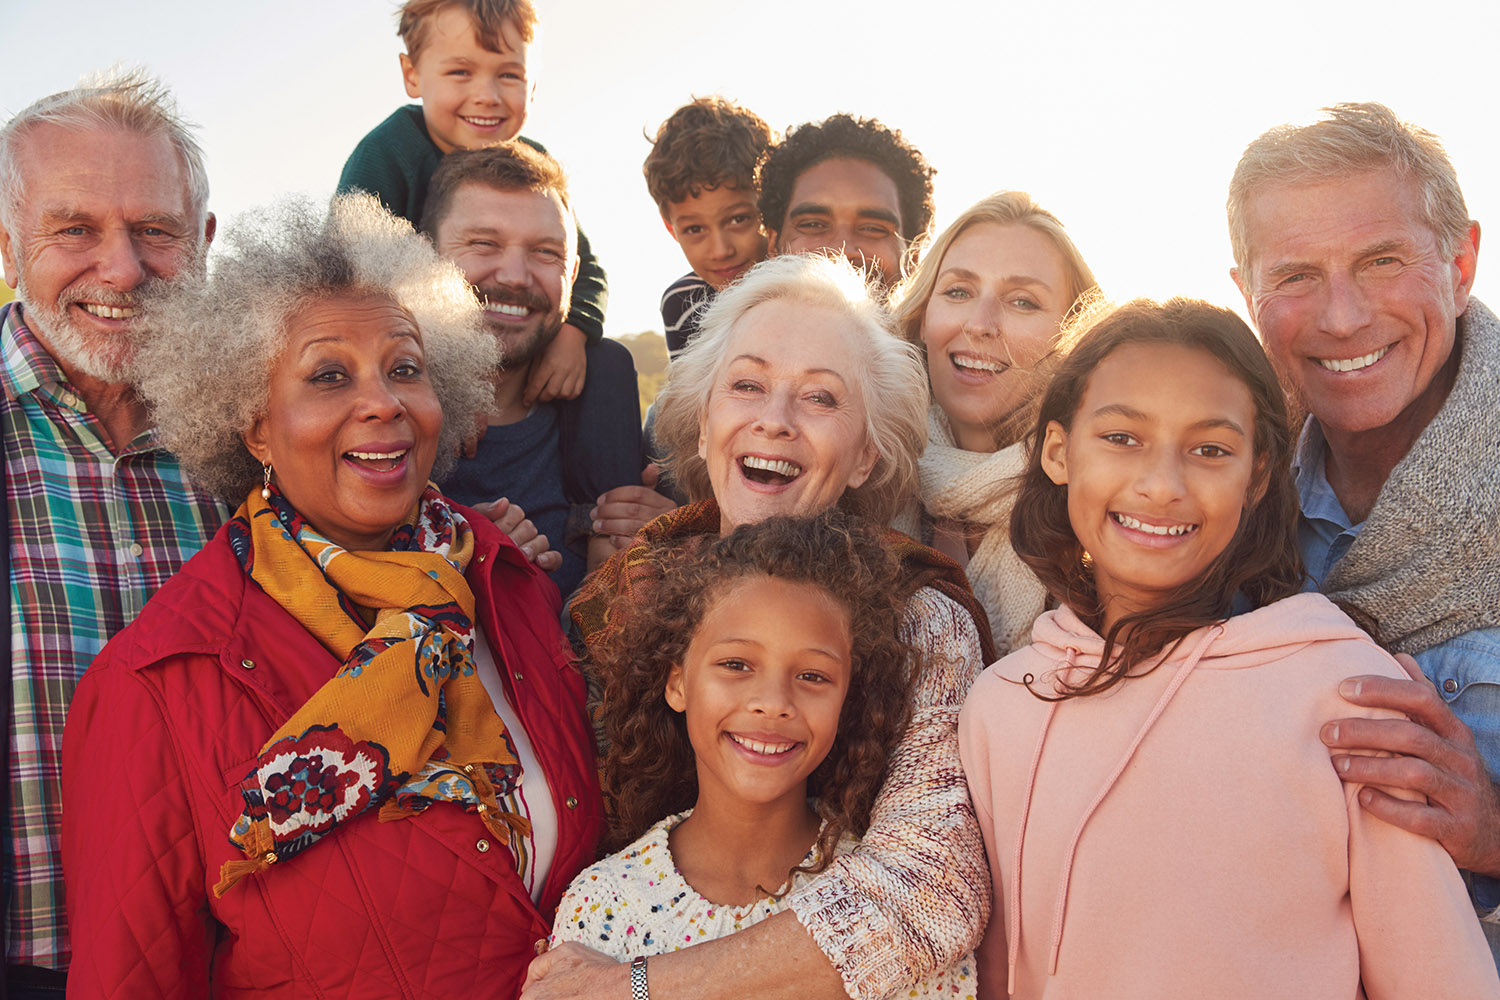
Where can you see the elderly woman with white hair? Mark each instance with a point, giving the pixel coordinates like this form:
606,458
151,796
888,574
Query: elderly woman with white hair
343,751
796,396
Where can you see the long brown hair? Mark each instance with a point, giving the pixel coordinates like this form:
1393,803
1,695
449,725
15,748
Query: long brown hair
650,770
1261,562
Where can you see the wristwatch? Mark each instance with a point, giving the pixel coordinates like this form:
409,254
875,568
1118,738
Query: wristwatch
638,990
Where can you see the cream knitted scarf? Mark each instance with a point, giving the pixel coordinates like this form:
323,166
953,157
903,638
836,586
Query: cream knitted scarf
968,486
1426,564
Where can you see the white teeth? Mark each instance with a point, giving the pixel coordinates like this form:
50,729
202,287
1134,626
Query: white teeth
1353,364
979,364
757,746
777,465
372,456
107,312
482,122
1153,529
506,309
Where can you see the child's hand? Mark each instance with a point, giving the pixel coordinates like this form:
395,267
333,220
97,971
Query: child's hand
559,372
622,511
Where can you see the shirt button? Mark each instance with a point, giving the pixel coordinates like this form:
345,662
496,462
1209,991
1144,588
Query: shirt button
570,802
248,664
1450,685
518,675
135,549
482,846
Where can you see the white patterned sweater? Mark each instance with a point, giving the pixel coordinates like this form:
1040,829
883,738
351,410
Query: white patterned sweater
636,902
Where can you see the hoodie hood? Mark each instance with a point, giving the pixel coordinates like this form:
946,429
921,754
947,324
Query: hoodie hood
1246,640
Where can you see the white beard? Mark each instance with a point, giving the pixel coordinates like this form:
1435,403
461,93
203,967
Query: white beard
107,357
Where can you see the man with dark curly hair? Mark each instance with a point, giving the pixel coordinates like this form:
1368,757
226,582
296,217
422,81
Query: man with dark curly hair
847,184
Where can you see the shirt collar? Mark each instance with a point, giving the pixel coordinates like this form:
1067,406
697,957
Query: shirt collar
1316,496
26,366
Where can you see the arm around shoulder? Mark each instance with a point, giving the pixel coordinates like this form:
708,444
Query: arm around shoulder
915,895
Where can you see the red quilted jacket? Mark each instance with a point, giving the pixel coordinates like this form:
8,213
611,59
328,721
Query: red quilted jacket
168,720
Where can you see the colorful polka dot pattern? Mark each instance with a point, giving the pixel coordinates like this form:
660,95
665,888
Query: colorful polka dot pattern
636,902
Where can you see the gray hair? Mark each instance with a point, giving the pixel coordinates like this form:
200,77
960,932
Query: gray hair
128,101
1349,139
891,379
204,368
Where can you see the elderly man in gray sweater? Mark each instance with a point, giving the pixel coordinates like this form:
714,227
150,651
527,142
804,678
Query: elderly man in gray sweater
1356,256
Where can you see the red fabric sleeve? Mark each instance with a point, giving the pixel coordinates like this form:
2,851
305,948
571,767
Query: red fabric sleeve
132,862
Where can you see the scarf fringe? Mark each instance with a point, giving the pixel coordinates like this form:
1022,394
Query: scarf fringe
258,857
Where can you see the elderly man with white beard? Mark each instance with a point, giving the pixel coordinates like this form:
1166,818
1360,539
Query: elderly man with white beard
103,195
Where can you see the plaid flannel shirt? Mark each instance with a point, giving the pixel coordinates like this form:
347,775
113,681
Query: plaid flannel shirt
93,535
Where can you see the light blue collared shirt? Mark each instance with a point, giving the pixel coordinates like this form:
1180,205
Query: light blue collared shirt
1465,669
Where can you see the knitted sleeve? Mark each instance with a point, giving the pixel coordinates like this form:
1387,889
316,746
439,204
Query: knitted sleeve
915,895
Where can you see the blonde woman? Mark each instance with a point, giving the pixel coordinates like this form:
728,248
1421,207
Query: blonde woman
986,305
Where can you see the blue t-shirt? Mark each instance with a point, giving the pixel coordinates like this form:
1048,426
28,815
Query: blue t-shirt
523,463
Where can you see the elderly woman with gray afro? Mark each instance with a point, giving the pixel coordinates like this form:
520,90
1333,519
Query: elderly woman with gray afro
346,747
797,396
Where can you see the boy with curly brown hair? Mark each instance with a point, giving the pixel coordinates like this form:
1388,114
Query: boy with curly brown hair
701,172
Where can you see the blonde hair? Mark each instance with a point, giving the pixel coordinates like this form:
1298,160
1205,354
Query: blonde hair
205,368
490,17
1006,208
891,381
1350,139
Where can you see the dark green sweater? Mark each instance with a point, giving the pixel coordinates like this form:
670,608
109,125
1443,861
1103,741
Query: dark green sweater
395,162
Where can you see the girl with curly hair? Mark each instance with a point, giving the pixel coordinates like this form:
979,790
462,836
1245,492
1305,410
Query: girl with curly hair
1160,813
750,700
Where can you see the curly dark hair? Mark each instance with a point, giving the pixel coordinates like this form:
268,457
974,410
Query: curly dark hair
1262,561
711,142
844,135
650,770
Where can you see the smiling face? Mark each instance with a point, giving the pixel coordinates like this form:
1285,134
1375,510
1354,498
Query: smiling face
471,97
719,232
1000,296
784,431
516,248
848,206
1157,481
105,215
1354,302
352,424
761,686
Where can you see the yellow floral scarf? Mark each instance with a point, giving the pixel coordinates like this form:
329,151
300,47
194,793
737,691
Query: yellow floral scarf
405,721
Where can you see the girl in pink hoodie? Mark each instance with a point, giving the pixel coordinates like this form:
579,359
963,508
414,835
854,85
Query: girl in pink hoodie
1161,818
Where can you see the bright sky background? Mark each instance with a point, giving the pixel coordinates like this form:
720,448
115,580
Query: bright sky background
1125,119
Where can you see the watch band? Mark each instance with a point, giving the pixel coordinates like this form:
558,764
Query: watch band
638,990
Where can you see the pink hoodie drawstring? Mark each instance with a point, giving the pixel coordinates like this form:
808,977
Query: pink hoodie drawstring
1013,908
